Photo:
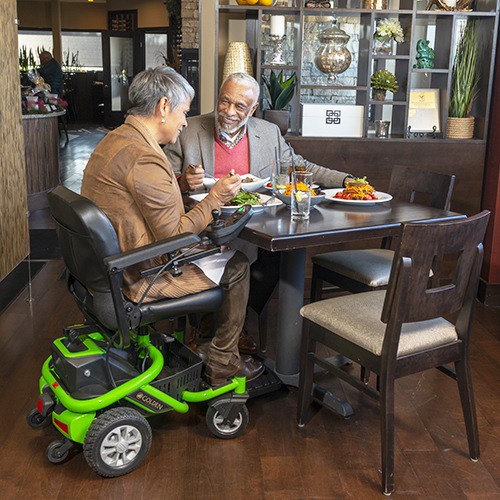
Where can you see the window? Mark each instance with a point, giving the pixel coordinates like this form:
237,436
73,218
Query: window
31,42
156,49
82,50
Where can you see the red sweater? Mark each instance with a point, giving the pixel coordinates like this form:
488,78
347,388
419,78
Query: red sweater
226,159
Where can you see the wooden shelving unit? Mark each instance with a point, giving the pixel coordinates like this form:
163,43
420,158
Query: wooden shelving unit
444,25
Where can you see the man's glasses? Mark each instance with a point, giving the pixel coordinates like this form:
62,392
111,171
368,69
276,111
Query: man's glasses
239,107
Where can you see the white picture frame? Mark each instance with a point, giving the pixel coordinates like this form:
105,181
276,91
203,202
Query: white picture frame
423,110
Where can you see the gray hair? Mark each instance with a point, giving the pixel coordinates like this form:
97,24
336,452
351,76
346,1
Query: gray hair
149,86
243,79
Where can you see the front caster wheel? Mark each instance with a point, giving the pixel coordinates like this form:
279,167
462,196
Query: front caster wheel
57,452
36,420
222,424
117,442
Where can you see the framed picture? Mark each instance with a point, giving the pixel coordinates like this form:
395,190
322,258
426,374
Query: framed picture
423,111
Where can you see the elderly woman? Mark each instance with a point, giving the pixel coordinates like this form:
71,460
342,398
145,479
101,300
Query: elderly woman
129,177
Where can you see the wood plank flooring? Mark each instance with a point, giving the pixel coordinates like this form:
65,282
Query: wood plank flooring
274,459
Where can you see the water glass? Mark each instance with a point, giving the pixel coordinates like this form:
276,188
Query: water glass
280,177
301,194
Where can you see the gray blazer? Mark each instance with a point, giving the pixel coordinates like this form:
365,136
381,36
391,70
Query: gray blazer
196,145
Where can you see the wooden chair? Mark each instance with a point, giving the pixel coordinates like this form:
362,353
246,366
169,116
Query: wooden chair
401,331
369,269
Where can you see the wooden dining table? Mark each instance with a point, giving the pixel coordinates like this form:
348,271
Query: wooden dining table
330,222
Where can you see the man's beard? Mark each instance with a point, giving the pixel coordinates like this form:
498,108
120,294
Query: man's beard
228,129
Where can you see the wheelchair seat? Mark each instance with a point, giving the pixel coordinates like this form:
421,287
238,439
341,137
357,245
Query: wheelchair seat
95,265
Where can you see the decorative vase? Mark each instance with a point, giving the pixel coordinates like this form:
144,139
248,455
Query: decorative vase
379,94
460,128
237,60
280,117
382,47
333,58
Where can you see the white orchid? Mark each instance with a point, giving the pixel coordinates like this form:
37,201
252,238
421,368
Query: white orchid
389,29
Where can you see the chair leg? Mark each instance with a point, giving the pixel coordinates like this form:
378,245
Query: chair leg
464,381
316,285
304,396
387,433
365,375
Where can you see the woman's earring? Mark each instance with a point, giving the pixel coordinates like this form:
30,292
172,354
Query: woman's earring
163,121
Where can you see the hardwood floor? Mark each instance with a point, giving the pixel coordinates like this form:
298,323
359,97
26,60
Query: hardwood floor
329,458
274,459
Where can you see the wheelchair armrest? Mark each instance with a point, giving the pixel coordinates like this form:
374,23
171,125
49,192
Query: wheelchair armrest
121,261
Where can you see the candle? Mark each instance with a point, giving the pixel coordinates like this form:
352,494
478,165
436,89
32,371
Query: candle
278,25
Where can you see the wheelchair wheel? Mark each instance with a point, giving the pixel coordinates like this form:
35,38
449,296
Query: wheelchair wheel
54,453
117,442
219,426
36,421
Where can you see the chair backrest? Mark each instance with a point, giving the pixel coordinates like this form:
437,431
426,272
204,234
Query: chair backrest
421,245
86,237
435,189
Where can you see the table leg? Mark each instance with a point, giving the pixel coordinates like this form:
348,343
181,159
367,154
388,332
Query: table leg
291,299
288,339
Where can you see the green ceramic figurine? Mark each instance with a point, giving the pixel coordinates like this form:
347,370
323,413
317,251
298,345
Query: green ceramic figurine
425,55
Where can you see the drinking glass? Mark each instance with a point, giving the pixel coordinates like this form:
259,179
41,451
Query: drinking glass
301,194
280,177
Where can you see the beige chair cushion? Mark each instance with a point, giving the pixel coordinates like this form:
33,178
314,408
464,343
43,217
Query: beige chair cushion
357,318
371,267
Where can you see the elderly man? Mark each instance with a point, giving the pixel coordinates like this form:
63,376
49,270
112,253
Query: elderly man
231,138
51,72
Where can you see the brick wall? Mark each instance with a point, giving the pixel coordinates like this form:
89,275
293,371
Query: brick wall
190,24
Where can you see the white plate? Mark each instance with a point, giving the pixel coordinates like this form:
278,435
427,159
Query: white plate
255,208
208,182
330,196
257,183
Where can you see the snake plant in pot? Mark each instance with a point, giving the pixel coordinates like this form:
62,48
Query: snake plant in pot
278,92
464,84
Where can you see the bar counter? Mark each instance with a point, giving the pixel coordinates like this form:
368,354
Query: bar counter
41,150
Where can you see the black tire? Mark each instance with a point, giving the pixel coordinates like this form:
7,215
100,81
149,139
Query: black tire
215,420
36,421
117,442
53,452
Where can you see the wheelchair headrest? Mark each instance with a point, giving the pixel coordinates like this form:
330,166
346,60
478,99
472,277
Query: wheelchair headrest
86,237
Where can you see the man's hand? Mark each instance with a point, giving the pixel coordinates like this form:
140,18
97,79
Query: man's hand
226,188
192,179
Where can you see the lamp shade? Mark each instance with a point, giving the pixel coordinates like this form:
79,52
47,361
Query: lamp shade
237,60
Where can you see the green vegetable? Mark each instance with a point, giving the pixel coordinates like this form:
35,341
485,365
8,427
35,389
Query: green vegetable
243,198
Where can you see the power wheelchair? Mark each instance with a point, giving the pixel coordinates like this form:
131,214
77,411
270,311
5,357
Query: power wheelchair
105,376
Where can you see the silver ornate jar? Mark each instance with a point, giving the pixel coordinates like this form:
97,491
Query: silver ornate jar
333,58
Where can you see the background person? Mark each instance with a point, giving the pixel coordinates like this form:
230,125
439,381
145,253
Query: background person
129,177
50,70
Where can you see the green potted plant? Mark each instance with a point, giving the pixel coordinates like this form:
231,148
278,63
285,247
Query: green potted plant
278,92
382,81
464,84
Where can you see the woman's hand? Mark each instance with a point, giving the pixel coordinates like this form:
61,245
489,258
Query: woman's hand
226,188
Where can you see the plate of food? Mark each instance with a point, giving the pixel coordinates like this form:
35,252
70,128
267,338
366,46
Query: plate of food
269,186
251,183
285,195
258,202
357,192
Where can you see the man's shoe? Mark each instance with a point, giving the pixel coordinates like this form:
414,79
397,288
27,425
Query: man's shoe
218,374
200,349
246,344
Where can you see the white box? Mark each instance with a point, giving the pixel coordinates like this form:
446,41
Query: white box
332,120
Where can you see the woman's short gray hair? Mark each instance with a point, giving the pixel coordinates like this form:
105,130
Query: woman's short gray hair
149,86
244,79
